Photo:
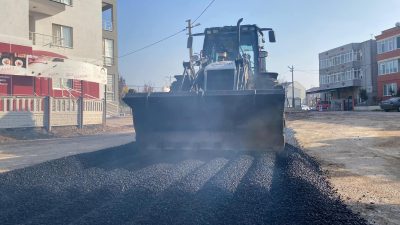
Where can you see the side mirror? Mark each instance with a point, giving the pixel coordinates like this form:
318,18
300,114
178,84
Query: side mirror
271,35
190,42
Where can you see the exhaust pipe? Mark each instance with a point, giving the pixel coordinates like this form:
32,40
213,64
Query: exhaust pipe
238,35
238,61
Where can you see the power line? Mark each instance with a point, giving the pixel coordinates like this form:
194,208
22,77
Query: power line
304,70
154,43
168,37
208,6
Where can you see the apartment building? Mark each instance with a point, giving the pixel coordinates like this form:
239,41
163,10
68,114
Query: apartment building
110,52
388,48
58,48
348,74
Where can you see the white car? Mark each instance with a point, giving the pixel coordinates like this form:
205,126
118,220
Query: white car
305,107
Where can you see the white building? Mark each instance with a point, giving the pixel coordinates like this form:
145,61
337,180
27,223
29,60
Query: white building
55,48
61,50
299,94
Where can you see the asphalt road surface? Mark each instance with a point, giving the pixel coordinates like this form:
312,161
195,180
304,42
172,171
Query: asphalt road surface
26,153
125,185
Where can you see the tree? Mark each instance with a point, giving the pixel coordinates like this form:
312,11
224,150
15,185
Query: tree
122,87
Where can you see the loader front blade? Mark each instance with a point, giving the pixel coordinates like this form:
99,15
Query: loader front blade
223,120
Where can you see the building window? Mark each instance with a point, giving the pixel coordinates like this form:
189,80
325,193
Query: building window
390,89
108,52
340,59
388,45
341,76
110,87
398,42
107,17
388,67
61,83
62,36
110,83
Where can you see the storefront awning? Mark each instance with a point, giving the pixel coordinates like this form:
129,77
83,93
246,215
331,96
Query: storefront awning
23,61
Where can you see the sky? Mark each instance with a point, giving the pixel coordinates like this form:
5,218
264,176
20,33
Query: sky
303,28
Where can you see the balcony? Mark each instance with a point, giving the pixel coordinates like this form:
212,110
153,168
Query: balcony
107,25
45,40
108,61
341,84
47,7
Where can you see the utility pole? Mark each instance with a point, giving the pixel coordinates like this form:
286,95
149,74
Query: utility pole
292,70
189,27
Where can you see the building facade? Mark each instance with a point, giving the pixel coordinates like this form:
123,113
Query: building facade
388,48
57,48
299,94
312,96
349,74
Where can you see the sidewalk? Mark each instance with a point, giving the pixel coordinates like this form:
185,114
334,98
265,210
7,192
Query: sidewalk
26,153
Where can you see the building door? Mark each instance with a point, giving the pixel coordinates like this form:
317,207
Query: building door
348,103
5,85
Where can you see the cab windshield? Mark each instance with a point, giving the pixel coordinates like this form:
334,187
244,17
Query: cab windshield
217,43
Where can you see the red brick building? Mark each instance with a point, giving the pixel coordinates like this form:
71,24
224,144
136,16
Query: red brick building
388,57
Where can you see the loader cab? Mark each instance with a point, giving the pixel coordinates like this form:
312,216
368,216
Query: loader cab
222,41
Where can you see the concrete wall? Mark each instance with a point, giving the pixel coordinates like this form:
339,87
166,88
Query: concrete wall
370,69
367,108
14,25
21,119
34,112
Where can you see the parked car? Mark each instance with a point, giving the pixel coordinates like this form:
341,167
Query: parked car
305,108
323,105
391,104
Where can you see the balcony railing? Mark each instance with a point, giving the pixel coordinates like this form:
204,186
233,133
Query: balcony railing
107,25
108,61
46,40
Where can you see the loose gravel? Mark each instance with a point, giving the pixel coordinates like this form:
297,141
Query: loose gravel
125,185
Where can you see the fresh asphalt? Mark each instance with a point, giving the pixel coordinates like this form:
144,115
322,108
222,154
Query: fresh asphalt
127,185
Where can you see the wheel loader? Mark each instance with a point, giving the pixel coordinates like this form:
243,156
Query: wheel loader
224,100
